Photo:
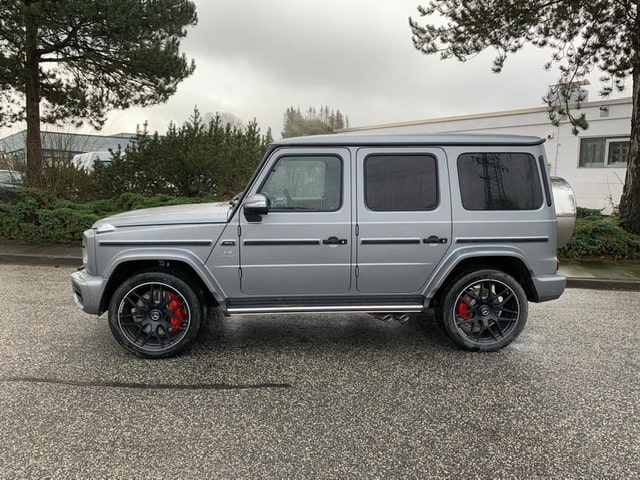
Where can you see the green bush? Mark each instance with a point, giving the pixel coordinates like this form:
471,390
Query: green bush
35,216
196,162
588,213
597,237
196,159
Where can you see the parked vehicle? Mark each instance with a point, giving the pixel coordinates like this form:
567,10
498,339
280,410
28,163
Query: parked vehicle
10,180
88,160
390,225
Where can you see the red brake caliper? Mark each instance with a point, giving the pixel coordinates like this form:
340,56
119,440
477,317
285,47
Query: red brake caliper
461,310
178,315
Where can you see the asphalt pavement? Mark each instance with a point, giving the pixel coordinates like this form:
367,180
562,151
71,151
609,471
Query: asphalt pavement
597,274
322,396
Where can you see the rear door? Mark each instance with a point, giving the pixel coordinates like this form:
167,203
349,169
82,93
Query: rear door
403,218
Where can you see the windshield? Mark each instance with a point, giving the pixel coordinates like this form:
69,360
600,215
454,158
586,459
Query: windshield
9,176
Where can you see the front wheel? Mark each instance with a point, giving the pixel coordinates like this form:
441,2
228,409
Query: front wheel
484,310
155,314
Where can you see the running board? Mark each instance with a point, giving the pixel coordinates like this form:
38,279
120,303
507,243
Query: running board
239,306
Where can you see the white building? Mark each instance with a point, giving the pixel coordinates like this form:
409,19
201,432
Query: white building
593,162
61,145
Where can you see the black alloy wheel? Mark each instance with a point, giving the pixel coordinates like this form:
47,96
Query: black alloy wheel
155,314
484,310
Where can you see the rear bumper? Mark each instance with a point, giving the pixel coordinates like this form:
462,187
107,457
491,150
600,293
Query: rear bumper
549,287
87,291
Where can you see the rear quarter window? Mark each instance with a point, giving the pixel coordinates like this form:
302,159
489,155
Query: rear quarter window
499,181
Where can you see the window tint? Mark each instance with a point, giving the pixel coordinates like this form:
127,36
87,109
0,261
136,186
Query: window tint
400,182
305,184
499,181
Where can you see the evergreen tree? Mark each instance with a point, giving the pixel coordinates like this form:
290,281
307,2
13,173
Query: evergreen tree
584,36
195,159
73,60
314,122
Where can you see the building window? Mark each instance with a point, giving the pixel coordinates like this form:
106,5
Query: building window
395,183
603,152
499,181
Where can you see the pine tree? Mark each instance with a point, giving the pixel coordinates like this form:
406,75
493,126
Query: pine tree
584,36
314,122
73,60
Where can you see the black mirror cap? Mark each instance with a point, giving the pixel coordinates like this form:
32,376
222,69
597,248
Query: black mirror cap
255,206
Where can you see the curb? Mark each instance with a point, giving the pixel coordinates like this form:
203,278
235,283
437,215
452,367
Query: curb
603,284
17,259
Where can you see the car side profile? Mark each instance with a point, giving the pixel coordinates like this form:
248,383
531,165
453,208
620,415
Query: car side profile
467,225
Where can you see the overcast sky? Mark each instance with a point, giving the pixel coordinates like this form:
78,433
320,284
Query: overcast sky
256,58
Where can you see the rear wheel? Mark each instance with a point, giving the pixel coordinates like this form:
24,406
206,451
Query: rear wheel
155,314
484,310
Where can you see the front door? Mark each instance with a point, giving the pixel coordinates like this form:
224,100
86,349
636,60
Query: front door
302,246
403,218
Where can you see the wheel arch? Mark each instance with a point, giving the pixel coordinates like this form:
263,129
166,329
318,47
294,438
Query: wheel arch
205,287
511,264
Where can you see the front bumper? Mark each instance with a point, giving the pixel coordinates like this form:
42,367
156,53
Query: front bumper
87,291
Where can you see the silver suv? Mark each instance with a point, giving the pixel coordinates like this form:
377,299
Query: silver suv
343,223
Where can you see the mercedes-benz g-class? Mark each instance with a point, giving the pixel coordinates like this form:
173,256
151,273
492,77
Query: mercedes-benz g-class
387,224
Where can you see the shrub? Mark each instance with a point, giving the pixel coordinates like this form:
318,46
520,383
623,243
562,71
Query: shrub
35,216
597,236
195,159
583,212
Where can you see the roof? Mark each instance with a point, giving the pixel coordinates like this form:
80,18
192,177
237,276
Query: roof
69,142
348,139
480,116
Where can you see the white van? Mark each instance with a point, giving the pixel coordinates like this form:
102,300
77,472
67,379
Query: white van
87,160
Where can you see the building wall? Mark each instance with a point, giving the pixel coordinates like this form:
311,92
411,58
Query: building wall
596,187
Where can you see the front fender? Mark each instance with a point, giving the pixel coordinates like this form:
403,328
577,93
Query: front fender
159,255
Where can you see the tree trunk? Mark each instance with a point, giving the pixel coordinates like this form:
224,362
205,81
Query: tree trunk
32,93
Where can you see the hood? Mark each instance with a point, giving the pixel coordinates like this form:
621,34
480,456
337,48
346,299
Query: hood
173,215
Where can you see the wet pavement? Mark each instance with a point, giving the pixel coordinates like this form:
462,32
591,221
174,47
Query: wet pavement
317,396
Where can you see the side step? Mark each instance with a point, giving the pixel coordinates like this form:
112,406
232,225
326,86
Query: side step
387,304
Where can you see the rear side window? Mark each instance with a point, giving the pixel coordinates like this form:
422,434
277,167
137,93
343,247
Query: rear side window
499,181
400,182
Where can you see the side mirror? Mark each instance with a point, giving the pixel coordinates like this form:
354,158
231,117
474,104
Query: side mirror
255,206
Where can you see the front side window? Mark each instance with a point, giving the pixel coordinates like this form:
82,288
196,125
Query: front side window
301,183
499,181
603,152
400,182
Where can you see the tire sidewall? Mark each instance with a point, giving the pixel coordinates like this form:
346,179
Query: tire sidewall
175,282
459,284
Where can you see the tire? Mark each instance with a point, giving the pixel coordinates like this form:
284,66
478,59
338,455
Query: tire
484,310
155,314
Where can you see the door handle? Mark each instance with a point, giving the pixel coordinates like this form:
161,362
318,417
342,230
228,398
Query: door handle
434,239
335,241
